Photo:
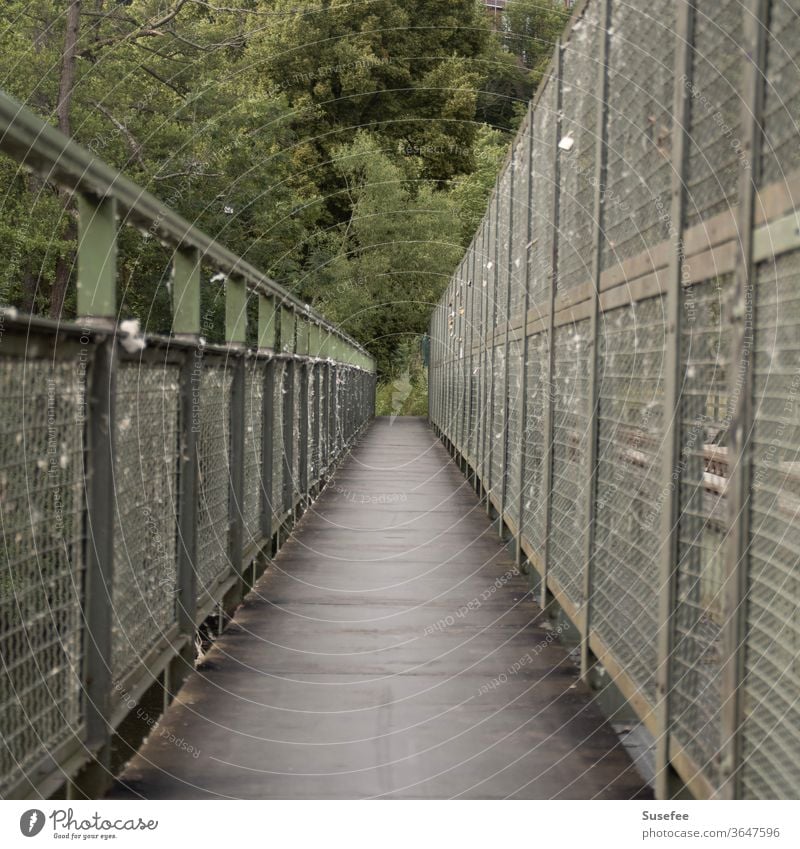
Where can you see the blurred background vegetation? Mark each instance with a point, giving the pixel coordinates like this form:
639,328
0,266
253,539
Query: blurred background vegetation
346,148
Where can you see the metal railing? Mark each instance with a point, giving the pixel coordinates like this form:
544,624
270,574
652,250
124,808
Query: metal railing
615,364
144,482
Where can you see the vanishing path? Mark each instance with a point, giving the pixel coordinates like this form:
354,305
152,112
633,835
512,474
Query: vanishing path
349,671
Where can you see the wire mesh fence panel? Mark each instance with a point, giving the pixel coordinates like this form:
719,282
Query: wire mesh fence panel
714,138
41,572
771,740
213,475
639,170
278,390
533,494
253,423
781,154
577,147
513,457
540,254
627,526
145,509
519,216
570,398
695,697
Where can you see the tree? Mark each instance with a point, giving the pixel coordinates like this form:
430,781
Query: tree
395,254
532,27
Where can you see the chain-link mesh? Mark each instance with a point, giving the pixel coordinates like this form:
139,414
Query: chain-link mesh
253,416
214,475
41,572
639,169
629,496
570,443
771,745
713,138
534,496
632,484
781,122
577,148
702,524
145,509
540,255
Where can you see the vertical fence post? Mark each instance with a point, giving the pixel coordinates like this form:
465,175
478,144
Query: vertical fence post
524,347
235,335
470,341
491,340
266,345
288,339
484,358
547,484
97,260
670,485
97,305
741,316
186,327
316,367
329,426
506,347
594,366
303,341
450,382
458,292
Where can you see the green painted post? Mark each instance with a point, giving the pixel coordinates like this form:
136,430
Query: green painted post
267,324
235,311
315,340
235,336
186,293
97,258
186,266
303,332
287,330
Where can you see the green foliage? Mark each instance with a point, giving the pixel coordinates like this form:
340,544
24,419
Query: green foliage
517,61
404,392
341,147
532,28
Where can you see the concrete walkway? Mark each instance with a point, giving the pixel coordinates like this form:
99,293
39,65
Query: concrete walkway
389,651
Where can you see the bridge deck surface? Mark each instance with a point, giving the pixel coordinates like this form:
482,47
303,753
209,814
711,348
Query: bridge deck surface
386,653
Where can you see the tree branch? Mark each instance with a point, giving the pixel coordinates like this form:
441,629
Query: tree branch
133,144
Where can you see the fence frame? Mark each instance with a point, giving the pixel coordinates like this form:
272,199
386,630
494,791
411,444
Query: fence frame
80,766
760,226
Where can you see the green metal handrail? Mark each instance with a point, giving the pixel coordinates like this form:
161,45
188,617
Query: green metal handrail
105,193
